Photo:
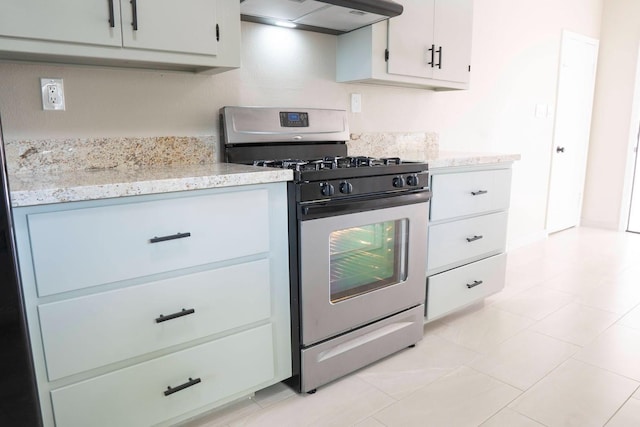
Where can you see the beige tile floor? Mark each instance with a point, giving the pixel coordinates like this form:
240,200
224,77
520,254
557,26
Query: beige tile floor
559,346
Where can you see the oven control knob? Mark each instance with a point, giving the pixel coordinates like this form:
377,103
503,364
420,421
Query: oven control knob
327,189
346,187
413,180
398,182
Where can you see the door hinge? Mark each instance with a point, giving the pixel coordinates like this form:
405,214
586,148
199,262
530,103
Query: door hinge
386,55
217,32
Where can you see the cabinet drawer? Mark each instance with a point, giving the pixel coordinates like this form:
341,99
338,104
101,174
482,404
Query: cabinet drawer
113,326
86,247
464,285
135,396
455,242
468,193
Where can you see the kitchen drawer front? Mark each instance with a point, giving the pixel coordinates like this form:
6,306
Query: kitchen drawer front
469,193
112,326
454,242
135,396
464,285
86,247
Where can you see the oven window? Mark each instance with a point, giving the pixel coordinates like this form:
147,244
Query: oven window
366,258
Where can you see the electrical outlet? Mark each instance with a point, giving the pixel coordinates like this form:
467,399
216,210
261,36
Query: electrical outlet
356,103
52,94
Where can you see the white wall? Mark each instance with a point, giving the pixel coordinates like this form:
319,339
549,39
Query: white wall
515,61
613,131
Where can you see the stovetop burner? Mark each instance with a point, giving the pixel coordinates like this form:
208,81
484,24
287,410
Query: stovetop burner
329,162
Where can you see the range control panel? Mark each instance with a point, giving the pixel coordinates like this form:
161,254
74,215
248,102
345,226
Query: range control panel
292,119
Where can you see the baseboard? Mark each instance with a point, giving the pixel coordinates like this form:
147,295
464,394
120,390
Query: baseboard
607,225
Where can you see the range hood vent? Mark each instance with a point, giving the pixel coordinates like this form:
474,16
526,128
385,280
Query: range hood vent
324,16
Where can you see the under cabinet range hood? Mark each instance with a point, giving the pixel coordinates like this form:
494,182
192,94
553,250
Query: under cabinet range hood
324,16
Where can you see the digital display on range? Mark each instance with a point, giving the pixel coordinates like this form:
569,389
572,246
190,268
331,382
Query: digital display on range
293,119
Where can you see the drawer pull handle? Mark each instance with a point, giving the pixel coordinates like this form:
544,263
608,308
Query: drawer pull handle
184,312
474,284
188,384
172,237
474,238
479,192
134,14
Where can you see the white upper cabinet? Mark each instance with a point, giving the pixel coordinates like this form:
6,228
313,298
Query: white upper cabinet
76,21
152,24
189,35
428,46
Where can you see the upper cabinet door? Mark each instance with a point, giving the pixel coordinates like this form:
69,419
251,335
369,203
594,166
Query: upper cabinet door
77,21
184,26
452,34
411,39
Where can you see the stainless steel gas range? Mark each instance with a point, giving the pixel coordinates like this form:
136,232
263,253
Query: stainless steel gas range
357,238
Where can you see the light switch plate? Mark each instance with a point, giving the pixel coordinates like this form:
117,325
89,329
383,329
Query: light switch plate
52,94
356,103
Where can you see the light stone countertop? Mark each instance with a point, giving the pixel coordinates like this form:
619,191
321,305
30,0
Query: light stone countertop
29,189
444,159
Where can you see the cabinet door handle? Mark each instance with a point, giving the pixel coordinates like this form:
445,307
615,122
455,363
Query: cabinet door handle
170,390
183,312
217,32
474,238
112,19
439,64
432,50
134,12
172,237
479,192
474,284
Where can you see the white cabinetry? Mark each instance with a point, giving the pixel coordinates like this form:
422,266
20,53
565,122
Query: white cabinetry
466,258
151,309
428,45
194,35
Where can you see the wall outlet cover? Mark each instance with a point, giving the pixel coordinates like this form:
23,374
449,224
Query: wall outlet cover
52,94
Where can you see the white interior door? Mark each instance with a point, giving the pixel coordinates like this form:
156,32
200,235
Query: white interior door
576,82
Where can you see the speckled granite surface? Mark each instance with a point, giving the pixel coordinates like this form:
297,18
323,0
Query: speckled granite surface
414,146
59,187
463,158
107,153
58,171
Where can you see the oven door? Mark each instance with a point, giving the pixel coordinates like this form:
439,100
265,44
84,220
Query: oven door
361,262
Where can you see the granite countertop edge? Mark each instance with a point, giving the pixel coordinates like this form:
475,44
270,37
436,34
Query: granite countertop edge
31,189
462,158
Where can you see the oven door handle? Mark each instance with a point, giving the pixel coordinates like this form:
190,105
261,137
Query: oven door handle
343,207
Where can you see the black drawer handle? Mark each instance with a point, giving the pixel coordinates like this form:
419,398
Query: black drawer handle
188,384
474,284
172,237
479,192
474,238
184,312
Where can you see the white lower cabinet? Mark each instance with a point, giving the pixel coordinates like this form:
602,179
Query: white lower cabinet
151,392
467,236
149,310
